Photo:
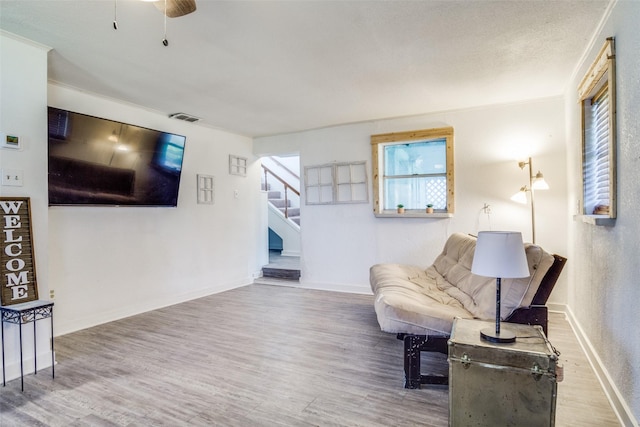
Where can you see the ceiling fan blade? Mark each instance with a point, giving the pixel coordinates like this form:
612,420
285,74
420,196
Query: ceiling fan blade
176,8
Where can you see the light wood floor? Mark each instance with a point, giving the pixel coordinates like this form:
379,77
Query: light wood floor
257,356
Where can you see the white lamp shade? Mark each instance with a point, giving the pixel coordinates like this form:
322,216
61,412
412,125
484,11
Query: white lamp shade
520,196
539,183
500,254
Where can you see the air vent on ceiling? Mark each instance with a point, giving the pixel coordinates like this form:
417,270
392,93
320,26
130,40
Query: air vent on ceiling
185,117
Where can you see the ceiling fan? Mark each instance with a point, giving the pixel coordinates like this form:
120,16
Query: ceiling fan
170,8
175,8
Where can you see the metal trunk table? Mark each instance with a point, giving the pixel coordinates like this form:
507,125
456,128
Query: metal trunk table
501,384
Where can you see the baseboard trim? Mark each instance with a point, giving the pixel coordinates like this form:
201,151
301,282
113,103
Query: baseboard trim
350,289
144,306
336,287
12,368
618,403
556,307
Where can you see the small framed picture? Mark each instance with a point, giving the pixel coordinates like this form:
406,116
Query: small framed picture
206,189
237,165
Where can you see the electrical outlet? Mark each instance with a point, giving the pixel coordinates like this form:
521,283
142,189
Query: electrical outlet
52,294
236,194
12,177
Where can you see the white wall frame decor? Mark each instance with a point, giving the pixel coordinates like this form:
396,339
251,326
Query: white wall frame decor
237,165
336,183
351,182
318,184
206,189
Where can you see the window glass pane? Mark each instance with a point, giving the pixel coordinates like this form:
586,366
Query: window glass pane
313,177
344,174
344,192
416,193
358,173
326,176
359,191
428,157
326,194
313,194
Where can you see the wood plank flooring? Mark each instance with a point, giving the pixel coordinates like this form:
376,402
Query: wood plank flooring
259,355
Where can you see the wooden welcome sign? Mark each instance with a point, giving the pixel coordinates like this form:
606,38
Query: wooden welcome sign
17,263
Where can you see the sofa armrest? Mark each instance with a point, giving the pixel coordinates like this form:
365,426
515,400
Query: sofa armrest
537,313
533,315
549,280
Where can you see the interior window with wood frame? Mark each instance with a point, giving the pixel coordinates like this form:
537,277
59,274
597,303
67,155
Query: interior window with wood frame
597,96
413,169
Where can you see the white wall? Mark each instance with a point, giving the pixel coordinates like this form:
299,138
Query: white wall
107,263
603,261
23,112
341,242
112,262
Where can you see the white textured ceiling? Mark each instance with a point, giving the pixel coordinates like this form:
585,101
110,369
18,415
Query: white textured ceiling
268,67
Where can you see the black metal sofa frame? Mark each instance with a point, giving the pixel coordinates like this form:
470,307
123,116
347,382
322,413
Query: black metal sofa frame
535,314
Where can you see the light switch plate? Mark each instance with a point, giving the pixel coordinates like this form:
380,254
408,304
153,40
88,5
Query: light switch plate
12,177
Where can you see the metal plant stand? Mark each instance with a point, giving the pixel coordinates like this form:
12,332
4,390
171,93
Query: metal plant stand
19,314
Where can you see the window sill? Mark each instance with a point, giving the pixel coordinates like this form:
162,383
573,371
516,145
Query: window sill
412,214
603,220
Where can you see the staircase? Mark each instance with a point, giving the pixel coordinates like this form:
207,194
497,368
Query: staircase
284,205
283,195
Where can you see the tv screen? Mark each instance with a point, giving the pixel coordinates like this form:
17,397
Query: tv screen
94,161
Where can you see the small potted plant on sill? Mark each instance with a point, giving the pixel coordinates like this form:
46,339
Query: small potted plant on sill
400,208
429,208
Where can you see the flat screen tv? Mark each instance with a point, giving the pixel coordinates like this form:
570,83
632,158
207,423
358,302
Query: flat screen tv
100,162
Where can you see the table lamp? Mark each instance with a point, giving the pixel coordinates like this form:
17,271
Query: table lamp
499,254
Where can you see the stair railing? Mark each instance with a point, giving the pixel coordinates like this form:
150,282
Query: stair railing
287,187
279,163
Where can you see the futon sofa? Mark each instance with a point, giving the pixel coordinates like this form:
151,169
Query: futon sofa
419,305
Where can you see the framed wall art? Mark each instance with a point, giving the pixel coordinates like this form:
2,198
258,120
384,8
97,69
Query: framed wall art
17,261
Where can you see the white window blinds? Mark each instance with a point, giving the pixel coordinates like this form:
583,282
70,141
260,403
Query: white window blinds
596,157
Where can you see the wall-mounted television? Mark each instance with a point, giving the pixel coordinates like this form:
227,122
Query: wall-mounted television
100,162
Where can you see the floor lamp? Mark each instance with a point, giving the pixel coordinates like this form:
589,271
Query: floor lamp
499,254
536,182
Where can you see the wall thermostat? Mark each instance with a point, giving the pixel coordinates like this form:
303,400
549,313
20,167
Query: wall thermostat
10,141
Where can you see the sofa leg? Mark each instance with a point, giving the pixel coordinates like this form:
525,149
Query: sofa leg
412,345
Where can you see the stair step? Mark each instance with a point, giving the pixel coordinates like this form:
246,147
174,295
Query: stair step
280,203
281,273
291,211
274,195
